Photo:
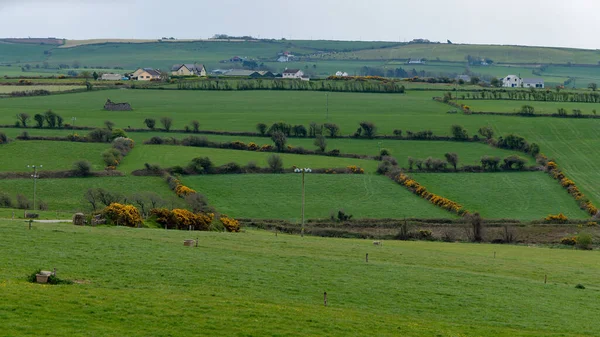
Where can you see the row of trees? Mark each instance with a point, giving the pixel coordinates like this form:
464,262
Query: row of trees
355,85
49,118
535,95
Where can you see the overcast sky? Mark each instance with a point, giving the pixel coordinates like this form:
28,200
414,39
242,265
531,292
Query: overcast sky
572,23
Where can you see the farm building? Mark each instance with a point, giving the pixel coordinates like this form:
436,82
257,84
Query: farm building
465,78
293,73
341,74
533,83
146,74
417,61
245,73
512,81
188,70
111,77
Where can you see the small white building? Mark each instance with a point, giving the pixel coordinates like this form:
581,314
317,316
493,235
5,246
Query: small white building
341,74
111,77
533,83
512,81
292,73
417,61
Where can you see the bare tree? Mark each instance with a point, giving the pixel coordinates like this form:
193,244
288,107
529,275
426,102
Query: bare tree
23,118
166,122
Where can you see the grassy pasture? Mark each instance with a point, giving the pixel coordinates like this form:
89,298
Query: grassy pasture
167,156
278,196
140,282
572,142
458,52
239,110
67,194
540,106
18,52
53,156
517,195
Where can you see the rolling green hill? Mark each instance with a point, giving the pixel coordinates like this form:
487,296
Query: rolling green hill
315,57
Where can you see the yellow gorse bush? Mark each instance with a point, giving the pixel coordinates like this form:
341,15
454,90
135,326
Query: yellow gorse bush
230,224
355,169
126,215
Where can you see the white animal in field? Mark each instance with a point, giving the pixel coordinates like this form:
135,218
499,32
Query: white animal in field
377,243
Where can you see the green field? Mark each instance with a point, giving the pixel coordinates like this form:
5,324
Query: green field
539,106
521,195
141,282
54,156
168,156
458,52
68,194
278,196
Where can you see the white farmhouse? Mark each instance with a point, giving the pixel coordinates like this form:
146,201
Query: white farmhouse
512,81
292,73
341,74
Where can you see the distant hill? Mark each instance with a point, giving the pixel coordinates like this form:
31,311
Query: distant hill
558,66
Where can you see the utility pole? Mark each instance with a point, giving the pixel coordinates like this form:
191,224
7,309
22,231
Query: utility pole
327,106
35,176
303,171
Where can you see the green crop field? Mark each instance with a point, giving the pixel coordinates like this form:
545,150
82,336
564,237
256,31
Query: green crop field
518,195
53,156
278,196
142,282
68,194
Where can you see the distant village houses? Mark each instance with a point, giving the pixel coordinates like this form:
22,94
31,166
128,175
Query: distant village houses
188,70
464,78
341,74
146,74
285,57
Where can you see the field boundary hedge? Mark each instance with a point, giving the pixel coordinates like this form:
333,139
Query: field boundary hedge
59,174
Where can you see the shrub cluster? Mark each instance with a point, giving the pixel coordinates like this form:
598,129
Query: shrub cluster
126,215
556,218
569,185
437,200
120,148
230,224
182,219
3,138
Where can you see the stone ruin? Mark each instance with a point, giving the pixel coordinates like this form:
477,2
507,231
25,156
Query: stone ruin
111,106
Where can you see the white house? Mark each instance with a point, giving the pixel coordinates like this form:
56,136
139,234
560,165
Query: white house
111,77
512,81
292,73
341,74
533,83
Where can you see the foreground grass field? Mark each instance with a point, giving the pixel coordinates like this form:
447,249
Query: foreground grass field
146,283
517,195
279,196
68,194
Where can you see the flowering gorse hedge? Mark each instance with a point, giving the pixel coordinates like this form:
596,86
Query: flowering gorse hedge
569,185
421,191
